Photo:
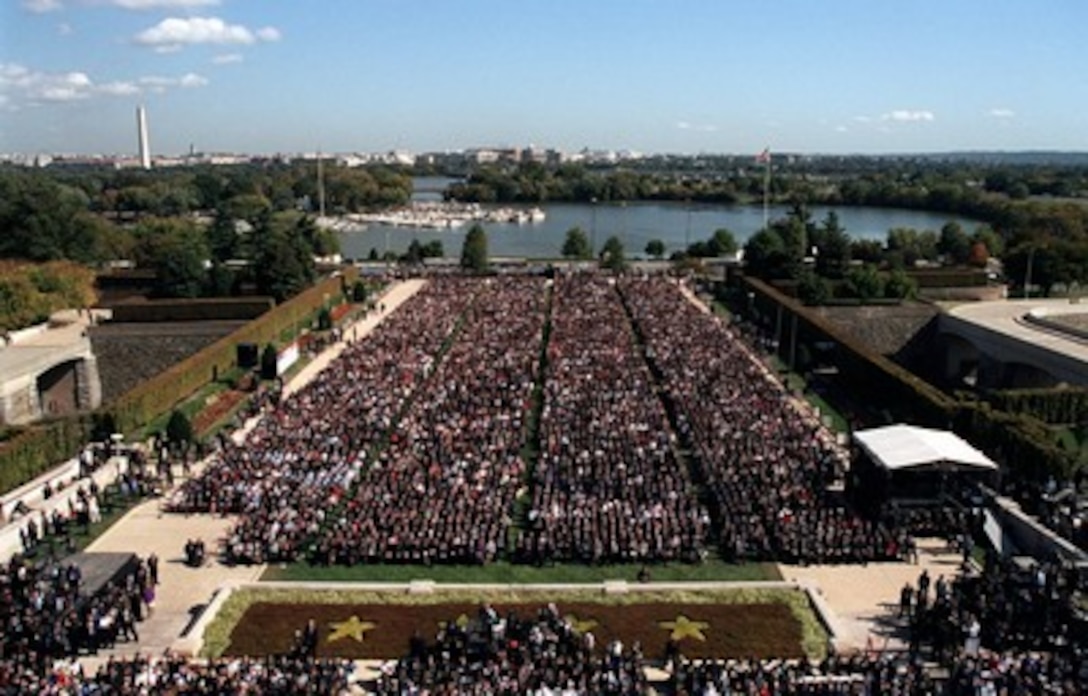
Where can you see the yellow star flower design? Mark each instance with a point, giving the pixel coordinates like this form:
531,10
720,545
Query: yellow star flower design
352,628
683,627
461,622
580,626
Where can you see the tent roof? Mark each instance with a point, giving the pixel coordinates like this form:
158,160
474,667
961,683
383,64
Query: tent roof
897,447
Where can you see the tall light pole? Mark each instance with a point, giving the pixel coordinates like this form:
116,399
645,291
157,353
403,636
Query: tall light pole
687,229
593,227
1027,273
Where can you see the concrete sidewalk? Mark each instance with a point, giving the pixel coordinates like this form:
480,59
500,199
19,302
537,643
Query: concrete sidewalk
864,599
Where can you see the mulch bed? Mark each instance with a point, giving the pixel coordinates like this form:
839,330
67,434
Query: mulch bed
706,631
213,412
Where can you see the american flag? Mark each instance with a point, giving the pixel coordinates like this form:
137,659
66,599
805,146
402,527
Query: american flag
764,157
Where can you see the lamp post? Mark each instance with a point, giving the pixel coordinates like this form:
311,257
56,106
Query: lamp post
1027,273
687,229
593,226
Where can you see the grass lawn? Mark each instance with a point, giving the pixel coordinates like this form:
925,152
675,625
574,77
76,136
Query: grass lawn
503,573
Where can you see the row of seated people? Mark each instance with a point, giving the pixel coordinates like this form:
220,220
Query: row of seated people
608,486
167,675
307,452
766,461
443,488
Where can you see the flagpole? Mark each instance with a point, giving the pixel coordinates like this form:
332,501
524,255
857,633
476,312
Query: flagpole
766,184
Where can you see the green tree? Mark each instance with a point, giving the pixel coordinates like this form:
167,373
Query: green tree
283,260
433,249
179,431
655,248
722,243
954,243
359,292
177,251
474,250
269,358
765,255
993,241
576,245
813,289
867,250
832,247
900,285
612,254
414,254
865,282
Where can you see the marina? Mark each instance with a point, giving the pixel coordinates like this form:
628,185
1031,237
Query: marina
441,215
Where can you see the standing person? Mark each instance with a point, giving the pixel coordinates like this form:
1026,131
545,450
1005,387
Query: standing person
153,568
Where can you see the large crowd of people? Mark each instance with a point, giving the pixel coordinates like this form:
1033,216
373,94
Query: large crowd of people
47,614
512,654
608,486
443,488
276,675
1010,605
305,453
408,448
897,674
768,463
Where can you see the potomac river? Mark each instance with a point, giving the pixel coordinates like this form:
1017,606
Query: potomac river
676,224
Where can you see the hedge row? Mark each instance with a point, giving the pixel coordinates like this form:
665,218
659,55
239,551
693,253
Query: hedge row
202,309
159,394
943,278
1019,441
1061,406
27,455
33,451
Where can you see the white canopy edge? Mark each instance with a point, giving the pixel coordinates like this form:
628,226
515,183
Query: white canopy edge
902,446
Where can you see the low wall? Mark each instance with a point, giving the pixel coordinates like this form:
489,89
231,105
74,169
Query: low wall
1029,535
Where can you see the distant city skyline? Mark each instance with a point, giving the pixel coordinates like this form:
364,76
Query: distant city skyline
834,77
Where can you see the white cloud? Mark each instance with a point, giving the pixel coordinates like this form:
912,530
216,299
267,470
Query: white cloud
160,84
20,85
42,6
174,32
703,128
1001,112
269,34
161,4
64,29
192,80
907,115
862,119
119,89
841,129
225,58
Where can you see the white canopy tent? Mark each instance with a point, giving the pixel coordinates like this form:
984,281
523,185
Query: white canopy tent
900,447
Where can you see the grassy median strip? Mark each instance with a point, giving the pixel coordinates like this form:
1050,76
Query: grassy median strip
712,570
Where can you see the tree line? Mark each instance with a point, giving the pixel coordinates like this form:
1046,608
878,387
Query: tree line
1034,216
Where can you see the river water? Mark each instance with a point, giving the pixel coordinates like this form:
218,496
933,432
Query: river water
676,224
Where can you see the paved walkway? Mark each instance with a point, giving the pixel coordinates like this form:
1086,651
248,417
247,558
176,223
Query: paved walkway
864,599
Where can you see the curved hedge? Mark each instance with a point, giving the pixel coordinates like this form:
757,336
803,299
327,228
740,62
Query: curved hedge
1058,406
1020,442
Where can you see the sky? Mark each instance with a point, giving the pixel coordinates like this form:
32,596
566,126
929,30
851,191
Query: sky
651,76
